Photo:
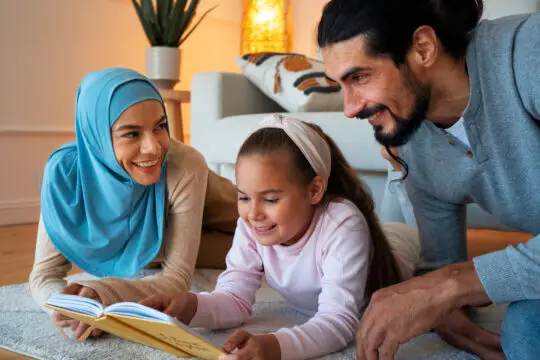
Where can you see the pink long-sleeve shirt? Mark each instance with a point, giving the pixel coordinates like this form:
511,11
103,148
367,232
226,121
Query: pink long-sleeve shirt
323,276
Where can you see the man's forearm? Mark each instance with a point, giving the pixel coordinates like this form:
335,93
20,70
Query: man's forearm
461,285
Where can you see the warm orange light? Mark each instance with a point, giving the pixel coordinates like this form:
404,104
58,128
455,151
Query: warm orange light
266,26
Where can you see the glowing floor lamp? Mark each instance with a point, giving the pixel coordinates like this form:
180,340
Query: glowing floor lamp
266,26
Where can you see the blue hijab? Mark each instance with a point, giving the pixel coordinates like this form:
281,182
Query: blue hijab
97,216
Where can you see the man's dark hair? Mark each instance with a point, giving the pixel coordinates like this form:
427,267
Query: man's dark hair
389,25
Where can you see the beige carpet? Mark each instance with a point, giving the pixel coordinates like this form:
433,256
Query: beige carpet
25,329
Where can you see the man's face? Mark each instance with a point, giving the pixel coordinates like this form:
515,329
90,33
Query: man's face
374,88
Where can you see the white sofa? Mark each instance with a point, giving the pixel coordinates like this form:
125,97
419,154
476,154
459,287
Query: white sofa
225,108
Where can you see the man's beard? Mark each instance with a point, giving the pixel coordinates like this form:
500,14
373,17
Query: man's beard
404,127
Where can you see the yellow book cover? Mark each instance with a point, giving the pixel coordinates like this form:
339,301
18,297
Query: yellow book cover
137,323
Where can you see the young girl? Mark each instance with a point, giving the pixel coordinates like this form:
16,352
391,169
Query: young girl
308,224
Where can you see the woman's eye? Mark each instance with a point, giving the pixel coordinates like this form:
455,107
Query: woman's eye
271,201
131,135
243,198
163,126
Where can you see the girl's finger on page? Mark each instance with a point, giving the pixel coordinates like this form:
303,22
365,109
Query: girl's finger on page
236,340
154,302
172,307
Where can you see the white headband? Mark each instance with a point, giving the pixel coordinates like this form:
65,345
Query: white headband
311,144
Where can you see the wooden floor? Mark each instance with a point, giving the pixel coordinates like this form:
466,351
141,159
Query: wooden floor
16,258
17,246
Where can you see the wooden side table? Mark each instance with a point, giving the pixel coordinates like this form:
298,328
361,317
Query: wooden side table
173,100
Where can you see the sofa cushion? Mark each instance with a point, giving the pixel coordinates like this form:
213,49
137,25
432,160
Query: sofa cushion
483,241
354,137
294,81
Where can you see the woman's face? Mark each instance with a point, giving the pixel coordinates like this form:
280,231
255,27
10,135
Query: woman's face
141,140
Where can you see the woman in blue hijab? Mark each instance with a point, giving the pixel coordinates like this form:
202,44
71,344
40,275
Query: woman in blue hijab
124,195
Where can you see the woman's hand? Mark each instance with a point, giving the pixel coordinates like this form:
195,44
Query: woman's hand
181,305
77,327
251,347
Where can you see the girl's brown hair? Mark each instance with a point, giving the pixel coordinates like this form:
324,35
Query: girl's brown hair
342,183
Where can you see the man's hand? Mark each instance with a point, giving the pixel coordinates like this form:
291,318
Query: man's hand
400,312
460,331
251,347
77,327
181,305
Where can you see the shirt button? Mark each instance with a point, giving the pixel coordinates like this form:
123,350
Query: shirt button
451,141
469,154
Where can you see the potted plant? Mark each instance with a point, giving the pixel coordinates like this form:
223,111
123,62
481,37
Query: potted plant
167,24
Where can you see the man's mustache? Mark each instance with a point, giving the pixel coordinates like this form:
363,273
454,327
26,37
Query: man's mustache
364,114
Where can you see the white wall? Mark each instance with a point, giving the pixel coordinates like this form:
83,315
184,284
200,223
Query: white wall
306,15
47,48
497,8
213,46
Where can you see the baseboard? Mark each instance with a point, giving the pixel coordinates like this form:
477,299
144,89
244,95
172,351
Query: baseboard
19,212
36,131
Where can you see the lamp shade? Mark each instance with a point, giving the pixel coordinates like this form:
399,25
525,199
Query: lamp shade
266,26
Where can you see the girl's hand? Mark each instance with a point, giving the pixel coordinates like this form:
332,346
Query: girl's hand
77,327
251,347
181,305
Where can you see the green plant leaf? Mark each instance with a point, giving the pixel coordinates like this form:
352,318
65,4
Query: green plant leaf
148,9
174,22
150,14
185,21
196,24
158,34
163,9
147,27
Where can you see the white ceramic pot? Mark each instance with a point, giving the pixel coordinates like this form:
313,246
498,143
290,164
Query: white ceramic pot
163,66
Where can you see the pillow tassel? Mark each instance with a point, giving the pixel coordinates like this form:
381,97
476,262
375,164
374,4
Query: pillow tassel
277,83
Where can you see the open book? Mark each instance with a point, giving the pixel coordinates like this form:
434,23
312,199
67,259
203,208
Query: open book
137,323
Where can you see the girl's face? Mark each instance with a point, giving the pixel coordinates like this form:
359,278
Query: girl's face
272,201
141,140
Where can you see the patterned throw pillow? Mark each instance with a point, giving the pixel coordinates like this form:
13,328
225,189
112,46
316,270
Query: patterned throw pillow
294,81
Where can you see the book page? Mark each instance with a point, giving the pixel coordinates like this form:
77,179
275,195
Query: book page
144,312
175,334
77,304
114,327
138,310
